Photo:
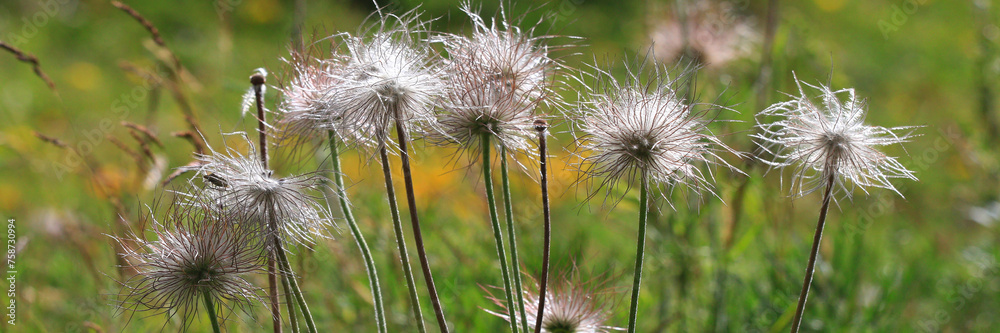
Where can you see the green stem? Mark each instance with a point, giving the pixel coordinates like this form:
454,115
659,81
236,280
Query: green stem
509,215
397,226
359,238
293,318
639,248
497,234
418,238
294,285
212,316
811,267
541,126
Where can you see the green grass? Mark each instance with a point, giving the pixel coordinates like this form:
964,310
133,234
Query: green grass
887,263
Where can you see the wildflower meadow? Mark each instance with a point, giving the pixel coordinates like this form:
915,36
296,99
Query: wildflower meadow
483,166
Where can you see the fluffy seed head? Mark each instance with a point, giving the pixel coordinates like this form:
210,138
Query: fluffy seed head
196,251
571,306
632,129
391,75
817,139
241,185
714,31
498,76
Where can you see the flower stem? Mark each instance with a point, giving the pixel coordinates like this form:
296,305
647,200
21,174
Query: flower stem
257,80
290,303
509,216
359,238
292,284
212,316
811,267
418,238
497,234
639,248
390,193
547,220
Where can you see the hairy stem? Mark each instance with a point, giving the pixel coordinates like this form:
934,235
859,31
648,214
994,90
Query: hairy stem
290,303
257,80
294,285
359,238
547,221
212,315
418,238
497,234
810,268
509,216
397,226
639,248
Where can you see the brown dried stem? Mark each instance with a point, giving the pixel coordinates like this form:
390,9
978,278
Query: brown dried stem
31,59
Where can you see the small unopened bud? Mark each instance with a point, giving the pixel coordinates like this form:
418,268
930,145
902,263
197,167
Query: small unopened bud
257,79
541,125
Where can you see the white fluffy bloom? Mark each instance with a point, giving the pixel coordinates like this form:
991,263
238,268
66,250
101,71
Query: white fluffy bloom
831,137
197,251
632,130
241,185
498,76
390,76
571,306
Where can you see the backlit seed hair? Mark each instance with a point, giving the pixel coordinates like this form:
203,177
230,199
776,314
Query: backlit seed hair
241,185
498,76
813,140
391,75
571,305
197,250
643,127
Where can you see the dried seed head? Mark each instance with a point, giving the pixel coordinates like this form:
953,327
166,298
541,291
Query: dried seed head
571,305
294,205
498,76
391,75
714,31
632,129
830,137
197,251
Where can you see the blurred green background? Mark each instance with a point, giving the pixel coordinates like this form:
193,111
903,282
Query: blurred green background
928,262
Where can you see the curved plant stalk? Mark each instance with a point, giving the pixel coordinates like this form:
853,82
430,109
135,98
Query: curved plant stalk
811,267
418,237
509,216
397,226
639,248
497,234
359,238
290,303
257,80
212,316
294,286
547,220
